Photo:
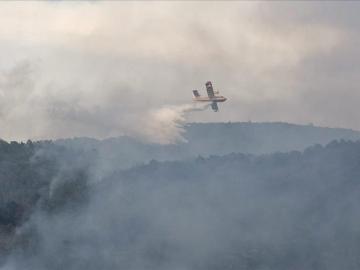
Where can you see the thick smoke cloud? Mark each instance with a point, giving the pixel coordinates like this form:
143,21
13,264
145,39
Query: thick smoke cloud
92,75
65,113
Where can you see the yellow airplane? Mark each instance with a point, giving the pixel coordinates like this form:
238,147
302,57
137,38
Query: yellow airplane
213,96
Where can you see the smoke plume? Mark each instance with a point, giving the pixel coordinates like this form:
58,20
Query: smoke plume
71,110
166,125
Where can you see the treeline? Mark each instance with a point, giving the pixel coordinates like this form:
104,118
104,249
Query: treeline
38,175
212,139
294,210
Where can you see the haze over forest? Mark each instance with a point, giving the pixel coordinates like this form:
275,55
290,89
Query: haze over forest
105,163
89,204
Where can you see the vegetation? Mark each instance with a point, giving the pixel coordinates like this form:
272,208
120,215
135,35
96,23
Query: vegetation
60,209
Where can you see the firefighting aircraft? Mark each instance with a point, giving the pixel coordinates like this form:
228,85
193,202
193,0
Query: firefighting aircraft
213,96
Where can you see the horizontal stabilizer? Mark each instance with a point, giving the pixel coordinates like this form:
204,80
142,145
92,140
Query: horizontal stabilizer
196,93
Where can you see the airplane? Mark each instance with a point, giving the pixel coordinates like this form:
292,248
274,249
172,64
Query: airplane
213,96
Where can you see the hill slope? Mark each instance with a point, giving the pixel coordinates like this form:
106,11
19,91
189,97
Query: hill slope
212,139
279,211
60,208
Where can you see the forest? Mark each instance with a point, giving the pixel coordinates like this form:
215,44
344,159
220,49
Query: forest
63,207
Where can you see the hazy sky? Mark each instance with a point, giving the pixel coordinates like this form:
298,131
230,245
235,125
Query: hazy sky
103,68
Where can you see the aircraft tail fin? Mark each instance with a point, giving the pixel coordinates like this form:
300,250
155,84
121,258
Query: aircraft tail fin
196,93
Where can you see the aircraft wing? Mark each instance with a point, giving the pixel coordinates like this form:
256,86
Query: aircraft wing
209,89
214,106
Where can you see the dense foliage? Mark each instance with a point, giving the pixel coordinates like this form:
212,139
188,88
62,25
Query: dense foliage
37,175
60,208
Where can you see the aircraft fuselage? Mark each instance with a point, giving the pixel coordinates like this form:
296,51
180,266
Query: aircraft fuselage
212,99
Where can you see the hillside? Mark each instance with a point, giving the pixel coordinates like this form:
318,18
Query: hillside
206,139
294,210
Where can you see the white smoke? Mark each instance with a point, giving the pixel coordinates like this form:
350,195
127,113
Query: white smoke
64,111
166,125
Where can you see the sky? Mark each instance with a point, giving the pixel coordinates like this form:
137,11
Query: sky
105,69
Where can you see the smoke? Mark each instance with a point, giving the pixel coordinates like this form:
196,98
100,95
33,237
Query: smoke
68,109
166,125
90,65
